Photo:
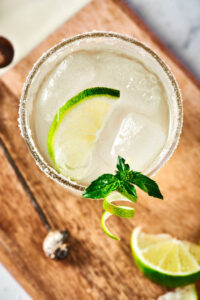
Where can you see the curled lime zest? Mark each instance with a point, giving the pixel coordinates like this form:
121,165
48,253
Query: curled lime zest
104,218
118,210
122,211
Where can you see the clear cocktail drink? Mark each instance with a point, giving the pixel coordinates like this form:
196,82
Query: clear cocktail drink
143,125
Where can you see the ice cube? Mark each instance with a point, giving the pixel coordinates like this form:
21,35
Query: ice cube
137,84
139,140
133,136
64,81
145,93
118,69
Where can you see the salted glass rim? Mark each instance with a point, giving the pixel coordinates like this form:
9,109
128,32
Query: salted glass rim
26,132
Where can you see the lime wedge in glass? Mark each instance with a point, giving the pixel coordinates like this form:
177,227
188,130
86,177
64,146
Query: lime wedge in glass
75,127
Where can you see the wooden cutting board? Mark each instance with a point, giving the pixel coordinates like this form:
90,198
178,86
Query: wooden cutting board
97,268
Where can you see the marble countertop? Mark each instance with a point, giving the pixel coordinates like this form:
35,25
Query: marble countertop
177,24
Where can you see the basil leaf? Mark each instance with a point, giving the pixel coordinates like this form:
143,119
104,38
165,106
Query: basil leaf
101,187
122,176
128,190
121,166
146,184
123,181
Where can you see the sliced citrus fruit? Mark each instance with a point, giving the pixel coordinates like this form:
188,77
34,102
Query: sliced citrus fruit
74,130
117,210
185,293
166,260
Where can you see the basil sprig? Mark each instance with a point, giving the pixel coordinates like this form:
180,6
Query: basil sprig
123,181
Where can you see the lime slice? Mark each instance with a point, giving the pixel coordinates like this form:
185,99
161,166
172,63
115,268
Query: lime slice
74,130
186,293
117,210
166,260
120,211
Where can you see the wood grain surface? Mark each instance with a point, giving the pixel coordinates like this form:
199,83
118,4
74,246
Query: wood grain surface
97,268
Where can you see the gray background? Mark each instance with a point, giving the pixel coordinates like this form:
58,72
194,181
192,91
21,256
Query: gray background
177,24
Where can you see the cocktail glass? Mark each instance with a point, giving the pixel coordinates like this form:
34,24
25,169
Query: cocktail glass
86,41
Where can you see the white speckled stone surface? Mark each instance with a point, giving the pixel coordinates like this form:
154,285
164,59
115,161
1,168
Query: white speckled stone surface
177,24
9,288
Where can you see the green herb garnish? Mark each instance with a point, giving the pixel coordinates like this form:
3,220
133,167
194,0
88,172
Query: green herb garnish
120,187
123,181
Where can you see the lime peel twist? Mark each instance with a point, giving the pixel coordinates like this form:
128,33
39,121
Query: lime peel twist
117,210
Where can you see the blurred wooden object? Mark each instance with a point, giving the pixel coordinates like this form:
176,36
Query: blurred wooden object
97,267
